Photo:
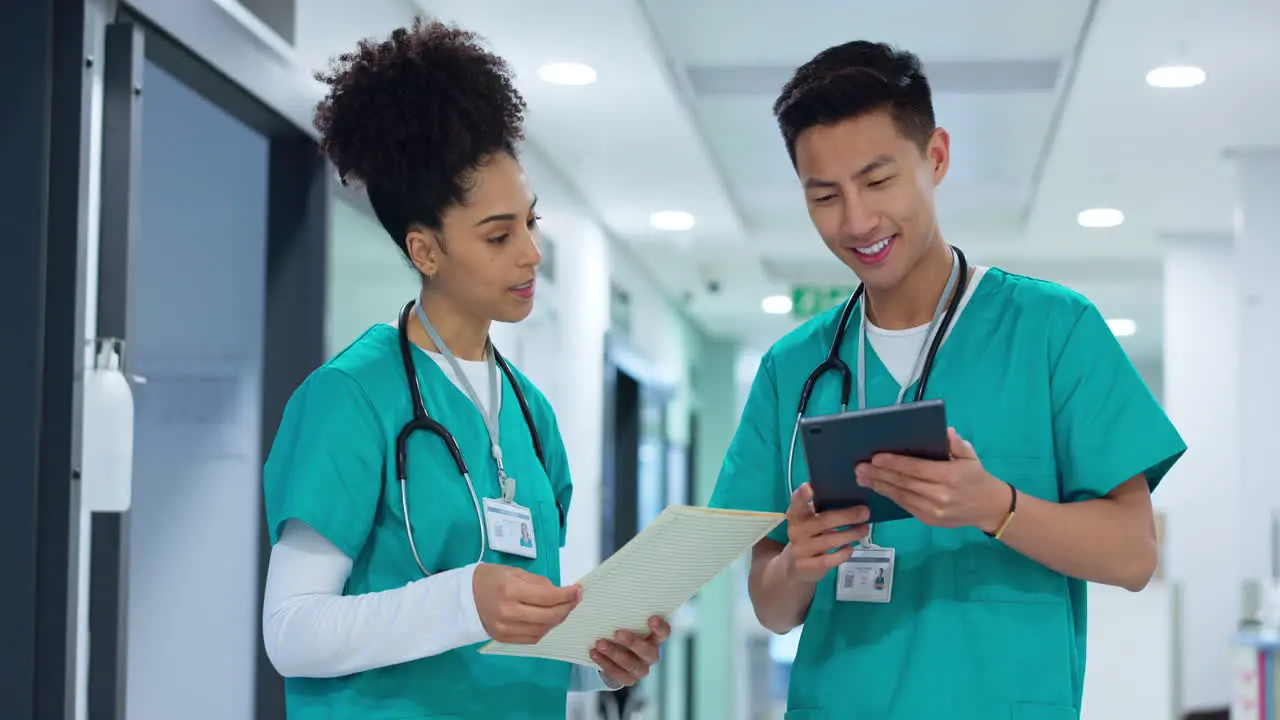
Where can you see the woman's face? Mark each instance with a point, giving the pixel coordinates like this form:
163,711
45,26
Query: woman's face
485,258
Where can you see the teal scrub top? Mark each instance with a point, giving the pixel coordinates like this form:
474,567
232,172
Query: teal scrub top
332,466
1036,381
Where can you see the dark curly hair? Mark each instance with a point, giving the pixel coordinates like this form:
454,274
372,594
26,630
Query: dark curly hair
411,118
854,79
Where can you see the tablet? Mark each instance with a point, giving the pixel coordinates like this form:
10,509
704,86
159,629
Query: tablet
835,444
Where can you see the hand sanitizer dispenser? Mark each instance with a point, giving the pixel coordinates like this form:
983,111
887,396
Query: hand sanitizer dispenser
107,449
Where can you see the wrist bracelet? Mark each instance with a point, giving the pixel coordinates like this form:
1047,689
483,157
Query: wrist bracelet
1013,507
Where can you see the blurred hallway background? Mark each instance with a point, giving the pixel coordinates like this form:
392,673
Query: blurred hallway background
1124,148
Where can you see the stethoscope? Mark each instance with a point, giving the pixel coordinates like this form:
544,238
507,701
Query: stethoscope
422,421
955,289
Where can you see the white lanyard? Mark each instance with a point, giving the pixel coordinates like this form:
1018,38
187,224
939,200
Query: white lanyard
490,414
934,324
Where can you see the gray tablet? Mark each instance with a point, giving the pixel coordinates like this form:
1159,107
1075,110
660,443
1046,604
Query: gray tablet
835,444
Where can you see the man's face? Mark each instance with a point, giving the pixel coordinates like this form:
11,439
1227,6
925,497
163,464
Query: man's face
870,193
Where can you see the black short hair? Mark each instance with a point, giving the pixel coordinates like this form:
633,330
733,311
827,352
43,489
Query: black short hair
413,116
853,79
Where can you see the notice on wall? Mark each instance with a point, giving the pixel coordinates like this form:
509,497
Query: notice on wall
209,412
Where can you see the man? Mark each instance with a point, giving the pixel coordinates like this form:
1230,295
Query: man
1056,441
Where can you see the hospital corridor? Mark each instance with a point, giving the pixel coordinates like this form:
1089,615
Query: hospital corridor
640,360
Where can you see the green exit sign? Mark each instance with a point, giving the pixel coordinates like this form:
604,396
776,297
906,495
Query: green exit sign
810,300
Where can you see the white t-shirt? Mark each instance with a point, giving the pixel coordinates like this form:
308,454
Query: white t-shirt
310,629
899,349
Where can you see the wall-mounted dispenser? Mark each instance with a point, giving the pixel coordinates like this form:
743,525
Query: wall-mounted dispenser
107,451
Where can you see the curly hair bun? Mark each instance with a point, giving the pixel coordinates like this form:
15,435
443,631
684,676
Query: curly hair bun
410,116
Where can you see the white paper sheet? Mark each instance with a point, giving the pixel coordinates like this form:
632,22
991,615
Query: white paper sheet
654,574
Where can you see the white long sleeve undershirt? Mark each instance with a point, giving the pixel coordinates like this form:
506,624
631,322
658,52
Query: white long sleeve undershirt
310,629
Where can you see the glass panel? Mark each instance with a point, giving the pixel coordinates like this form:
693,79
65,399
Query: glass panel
651,485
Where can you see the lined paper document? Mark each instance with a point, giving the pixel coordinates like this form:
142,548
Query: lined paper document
654,574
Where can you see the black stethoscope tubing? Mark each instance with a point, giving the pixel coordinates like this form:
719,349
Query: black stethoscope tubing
422,421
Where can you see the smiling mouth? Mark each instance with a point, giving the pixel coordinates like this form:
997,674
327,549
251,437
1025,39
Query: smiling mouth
874,248
876,252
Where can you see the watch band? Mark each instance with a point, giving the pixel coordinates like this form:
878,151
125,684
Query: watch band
1013,508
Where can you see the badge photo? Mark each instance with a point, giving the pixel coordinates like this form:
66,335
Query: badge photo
867,576
510,528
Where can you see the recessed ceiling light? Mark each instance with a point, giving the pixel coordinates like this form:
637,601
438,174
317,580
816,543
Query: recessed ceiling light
1100,218
1122,327
567,73
1176,76
776,304
671,220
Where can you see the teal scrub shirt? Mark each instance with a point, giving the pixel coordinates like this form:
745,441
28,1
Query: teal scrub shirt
1035,380
332,466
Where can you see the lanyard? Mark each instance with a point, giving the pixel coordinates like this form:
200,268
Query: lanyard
938,314
490,415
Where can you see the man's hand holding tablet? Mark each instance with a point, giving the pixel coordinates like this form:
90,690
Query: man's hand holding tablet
834,445
819,541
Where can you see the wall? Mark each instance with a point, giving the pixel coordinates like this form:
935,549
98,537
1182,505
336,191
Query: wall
719,651
199,282
664,335
1205,547
369,280
1152,372
279,15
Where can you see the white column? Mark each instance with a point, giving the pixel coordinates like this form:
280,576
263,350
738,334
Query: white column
1222,343
1201,497
1257,256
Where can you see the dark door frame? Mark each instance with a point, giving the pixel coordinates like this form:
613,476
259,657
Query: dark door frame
298,220
43,203
621,357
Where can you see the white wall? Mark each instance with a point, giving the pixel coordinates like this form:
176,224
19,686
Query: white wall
1152,372
195,523
369,280
1131,672
661,332
1256,251
1201,496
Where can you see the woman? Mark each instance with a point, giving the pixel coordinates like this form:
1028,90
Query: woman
393,556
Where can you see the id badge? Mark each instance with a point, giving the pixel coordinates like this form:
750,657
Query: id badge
867,576
510,528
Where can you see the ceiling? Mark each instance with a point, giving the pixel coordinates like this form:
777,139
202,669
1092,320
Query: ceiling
1046,104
